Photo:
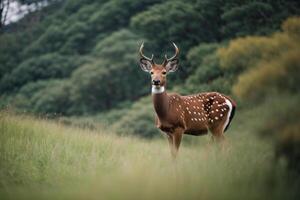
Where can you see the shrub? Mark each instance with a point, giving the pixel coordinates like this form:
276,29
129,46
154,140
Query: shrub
270,77
43,67
138,120
111,77
265,63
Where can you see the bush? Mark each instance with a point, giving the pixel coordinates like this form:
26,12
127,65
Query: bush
139,120
265,63
49,97
111,77
280,75
43,67
283,124
23,99
207,76
270,77
157,24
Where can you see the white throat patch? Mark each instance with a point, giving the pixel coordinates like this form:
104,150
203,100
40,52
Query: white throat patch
157,90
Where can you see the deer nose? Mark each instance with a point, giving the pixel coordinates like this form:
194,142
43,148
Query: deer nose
156,82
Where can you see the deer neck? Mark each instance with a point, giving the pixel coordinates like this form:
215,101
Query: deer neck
160,101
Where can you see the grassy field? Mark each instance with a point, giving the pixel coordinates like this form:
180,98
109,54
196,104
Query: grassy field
42,159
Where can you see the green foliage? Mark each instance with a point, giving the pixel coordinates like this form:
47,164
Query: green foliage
43,67
205,62
111,77
71,7
197,54
291,27
45,97
266,62
244,53
257,14
97,42
160,19
54,98
51,41
139,120
9,52
207,74
283,124
211,23
23,99
256,17
269,75
60,45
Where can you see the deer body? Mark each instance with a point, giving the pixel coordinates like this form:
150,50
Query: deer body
193,114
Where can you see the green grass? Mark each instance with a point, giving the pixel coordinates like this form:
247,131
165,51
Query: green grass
41,159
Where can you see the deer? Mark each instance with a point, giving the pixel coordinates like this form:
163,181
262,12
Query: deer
195,114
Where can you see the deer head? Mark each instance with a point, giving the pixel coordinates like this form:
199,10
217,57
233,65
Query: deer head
159,71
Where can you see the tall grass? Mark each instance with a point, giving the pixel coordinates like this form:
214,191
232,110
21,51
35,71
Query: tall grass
40,159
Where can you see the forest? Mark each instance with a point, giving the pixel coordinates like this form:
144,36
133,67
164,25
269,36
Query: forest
76,62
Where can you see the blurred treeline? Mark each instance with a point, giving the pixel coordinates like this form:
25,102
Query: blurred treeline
79,58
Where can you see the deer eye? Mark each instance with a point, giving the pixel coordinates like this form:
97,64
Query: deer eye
164,73
151,73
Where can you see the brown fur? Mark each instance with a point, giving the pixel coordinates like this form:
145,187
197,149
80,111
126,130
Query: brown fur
193,114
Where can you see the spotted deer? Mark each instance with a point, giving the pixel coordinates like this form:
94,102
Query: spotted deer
192,114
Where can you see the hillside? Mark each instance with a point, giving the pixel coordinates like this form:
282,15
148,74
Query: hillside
77,63
79,58
45,160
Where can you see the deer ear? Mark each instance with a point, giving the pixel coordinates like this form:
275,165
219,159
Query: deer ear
145,65
172,65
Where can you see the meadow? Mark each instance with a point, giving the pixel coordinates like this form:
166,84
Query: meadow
44,159
76,116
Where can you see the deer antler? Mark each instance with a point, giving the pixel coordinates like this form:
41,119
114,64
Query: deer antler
173,57
143,56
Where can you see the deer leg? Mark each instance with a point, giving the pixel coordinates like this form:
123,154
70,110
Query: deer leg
217,133
177,139
171,144
218,136
177,136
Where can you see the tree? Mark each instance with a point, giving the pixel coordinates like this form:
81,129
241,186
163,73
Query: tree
4,7
268,76
111,77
